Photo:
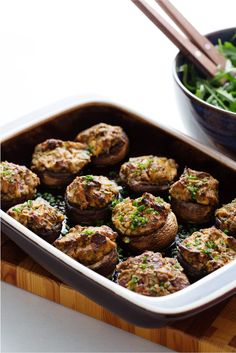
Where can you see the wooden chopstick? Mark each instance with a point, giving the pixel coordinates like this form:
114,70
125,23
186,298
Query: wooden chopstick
192,33
184,44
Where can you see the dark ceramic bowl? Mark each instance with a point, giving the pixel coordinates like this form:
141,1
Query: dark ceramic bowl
219,124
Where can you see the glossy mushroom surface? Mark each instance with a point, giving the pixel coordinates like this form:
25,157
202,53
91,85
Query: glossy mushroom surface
226,218
89,197
18,184
205,251
94,247
194,196
57,162
146,223
38,216
152,275
148,173
108,144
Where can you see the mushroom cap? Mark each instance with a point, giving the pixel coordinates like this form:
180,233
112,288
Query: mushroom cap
152,275
148,173
94,247
108,144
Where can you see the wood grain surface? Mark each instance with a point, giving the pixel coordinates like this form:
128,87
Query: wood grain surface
211,331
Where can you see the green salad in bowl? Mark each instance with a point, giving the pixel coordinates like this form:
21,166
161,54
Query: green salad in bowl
220,90
209,104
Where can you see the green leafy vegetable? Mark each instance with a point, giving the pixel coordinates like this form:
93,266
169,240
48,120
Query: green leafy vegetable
220,90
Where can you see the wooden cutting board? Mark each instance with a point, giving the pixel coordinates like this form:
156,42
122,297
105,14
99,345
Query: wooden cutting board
211,331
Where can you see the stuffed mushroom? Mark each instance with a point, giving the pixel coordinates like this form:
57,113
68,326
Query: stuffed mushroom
89,197
18,184
148,173
226,218
152,275
194,196
205,251
146,223
38,216
108,144
94,247
57,162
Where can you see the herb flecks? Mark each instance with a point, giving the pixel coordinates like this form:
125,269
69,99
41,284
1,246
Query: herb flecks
88,178
193,189
133,282
88,231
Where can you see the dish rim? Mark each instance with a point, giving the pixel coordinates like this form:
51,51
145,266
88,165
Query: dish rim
157,305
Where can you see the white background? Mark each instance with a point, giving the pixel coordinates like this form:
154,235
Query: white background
51,49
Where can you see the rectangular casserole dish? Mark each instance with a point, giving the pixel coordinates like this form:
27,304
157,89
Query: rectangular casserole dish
64,120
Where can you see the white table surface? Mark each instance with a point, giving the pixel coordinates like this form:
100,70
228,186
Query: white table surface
52,49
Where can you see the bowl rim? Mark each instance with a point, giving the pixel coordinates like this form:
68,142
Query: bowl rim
189,93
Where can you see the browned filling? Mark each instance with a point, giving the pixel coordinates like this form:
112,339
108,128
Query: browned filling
60,156
140,216
103,139
152,275
17,182
197,187
226,218
37,215
91,191
88,245
149,169
208,249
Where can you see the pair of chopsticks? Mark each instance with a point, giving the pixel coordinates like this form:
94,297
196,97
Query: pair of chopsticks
197,47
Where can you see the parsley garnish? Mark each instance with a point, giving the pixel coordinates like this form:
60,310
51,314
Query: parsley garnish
88,178
88,231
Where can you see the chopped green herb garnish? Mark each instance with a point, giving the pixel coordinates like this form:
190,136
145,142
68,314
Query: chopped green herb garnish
151,210
126,240
137,220
141,208
88,231
145,258
88,178
188,245
192,177
115,202
134,279
137,202
143,266
193,189
15,209
90,149
207,252
132,283
210,244
6,172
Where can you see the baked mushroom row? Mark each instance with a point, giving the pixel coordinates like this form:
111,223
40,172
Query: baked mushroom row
146,223
194,196
58,162
95,247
